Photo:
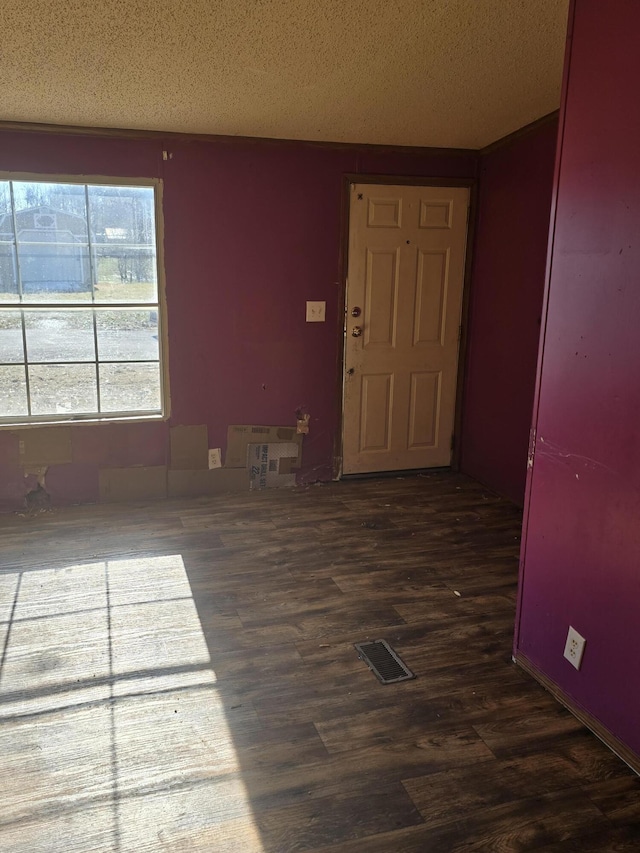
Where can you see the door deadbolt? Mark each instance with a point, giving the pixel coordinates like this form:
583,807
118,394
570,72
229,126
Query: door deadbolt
356,312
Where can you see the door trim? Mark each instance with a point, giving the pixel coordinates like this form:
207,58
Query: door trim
404,180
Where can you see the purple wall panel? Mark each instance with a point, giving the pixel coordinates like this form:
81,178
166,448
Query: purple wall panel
581,555
515,183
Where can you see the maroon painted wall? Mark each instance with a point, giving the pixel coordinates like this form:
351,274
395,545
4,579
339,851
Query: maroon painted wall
252,231
581,554
515,183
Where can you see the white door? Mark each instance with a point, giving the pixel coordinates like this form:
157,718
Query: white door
405,277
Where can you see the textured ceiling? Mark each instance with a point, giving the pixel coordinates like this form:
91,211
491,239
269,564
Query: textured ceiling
458,73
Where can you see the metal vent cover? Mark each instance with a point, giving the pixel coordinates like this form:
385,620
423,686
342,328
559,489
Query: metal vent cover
383,661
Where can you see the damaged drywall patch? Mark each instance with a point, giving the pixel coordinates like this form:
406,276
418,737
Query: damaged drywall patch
302,421
37,471
36,498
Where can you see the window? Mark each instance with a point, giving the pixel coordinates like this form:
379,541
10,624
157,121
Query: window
79,313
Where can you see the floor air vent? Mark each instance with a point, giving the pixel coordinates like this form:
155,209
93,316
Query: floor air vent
383,661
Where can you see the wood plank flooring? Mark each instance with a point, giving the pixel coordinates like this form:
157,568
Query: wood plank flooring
180,676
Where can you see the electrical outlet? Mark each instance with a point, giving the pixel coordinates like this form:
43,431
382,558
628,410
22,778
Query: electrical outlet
316,312
215,460
574,647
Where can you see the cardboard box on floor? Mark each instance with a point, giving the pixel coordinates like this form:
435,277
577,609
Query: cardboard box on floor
46,446
239,437
133,484
189,447
216,481
270,465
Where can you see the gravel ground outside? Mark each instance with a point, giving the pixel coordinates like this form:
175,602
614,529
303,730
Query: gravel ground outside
129,337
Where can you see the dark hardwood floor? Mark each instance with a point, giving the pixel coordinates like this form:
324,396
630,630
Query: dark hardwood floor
180,676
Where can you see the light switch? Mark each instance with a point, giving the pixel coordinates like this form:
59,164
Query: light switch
316,312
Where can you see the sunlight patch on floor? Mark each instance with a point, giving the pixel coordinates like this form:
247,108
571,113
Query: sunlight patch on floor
112,716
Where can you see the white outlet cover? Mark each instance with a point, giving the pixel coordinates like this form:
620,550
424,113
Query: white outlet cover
574,647
215,458
316,312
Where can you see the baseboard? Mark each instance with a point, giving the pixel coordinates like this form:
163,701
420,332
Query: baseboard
617,746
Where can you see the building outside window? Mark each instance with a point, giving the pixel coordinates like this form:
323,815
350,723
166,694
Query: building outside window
80,334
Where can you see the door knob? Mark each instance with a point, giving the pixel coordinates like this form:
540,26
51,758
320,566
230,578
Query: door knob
351,371
356,331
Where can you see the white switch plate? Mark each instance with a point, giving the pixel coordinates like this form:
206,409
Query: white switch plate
574,647
316,312
215,459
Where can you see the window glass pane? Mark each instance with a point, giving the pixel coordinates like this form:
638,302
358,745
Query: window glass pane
8,273
122,221
13,391
59,389
63,248
60,336
53,241
127,335
130,387
11,348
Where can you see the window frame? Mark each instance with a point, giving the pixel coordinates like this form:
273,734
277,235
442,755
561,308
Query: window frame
13,421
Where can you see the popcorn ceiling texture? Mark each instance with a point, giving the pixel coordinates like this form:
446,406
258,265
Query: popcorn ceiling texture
450,73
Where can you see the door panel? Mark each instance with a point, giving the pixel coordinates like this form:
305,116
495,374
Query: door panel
424,409
375,419
405,275
436,213
380,298
384,212
431,296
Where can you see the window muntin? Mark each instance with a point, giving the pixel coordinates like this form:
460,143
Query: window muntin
79,307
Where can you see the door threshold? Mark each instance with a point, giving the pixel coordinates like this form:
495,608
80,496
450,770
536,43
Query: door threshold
409,472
